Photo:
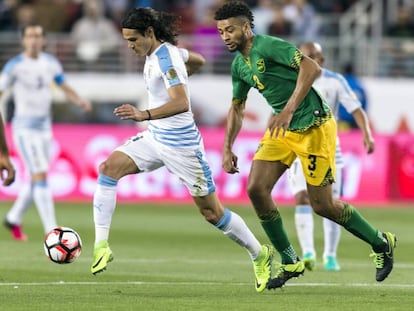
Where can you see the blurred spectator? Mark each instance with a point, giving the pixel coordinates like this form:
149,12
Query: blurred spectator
159,5
201,8
51,14
346,120
8,10
186,11
25,15
94,34
404,25
206,39
263,16
116,9
304,20
399,60
279,25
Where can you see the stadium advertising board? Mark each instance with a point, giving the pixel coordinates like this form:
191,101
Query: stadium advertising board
78,150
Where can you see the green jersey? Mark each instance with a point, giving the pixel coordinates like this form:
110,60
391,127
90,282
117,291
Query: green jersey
272,68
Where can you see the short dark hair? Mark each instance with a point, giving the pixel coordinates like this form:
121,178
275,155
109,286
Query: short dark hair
166,25
234,9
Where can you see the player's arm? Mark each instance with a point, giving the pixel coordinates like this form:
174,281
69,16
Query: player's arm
178,103
7,171
350,101
309,70
362,122
233,127
74,97
193,60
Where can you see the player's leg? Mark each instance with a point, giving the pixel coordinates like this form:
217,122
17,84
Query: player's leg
196,175
332,231
14,216
133,157
303,214
271,160
235,228
319,170
262,178
111,170
43,199
34,149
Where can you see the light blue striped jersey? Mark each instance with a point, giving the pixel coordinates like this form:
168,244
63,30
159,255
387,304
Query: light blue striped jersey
334,88
31,81
163,69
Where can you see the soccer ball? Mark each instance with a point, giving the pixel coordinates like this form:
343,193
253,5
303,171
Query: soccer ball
62,245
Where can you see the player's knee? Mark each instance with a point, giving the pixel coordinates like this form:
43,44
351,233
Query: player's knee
107,168
256,191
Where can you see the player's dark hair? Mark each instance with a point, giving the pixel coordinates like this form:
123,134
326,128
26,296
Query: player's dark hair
234,9
166,25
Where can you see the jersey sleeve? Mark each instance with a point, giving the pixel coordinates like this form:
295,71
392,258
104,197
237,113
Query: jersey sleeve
240,88
6,77
58,74
172,66
281,52
346,96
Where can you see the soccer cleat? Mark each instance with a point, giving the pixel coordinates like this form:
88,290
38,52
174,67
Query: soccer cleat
16,231
384,261
330,264
262,266
309,261
285,273
102,254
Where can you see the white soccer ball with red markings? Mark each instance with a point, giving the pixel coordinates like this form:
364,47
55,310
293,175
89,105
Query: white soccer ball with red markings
62,245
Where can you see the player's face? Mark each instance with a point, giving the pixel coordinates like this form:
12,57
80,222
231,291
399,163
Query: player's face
313,52
33,40
141,45
233,33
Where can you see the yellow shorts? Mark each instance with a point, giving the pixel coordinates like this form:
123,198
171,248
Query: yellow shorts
315,148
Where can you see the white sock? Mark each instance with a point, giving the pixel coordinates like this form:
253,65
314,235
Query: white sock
22,203
104,203
234,227
332,233
304,228
42,196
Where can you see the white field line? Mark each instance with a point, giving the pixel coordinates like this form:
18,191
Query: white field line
344,264
138,283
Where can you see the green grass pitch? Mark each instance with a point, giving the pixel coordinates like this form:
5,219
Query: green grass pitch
169,258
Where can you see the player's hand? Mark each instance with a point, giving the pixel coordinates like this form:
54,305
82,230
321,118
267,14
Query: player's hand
369,143
7,171
278,124
85,105
230,162
129,112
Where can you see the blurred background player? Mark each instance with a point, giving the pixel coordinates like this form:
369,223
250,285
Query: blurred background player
7,171
346,120
334,88
30,75
171,140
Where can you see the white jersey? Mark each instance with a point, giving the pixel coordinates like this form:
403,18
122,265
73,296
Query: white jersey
336,91
163,69
334,88
31,82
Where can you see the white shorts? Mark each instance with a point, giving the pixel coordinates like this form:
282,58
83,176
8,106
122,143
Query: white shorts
189,164
297,180
34,147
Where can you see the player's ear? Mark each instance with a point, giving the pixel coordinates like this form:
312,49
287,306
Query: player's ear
150,32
